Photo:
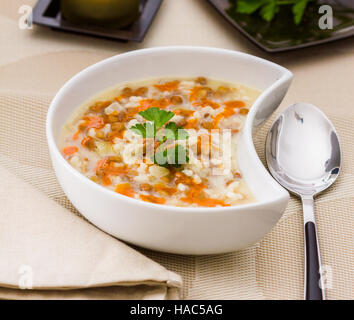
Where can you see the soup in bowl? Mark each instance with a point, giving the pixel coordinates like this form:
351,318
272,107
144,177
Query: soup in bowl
155,147
188,159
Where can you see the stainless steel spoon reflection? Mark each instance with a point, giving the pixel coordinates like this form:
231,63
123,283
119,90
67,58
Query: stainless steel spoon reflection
303,154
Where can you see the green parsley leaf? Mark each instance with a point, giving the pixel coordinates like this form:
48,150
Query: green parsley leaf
146,130
298,10
181,155
164,156
171,156
175,132
157,115
269,10
249,6
160,158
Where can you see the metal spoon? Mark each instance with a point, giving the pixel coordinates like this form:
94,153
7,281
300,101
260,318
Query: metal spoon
303,154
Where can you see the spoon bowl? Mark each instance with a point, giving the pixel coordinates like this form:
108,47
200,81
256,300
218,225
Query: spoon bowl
303,154
303,150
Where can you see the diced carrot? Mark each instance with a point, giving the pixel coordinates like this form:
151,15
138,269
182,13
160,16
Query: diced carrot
183,178
107,168
94,122
192,124
125,189
69,151
101,164
146,103
229,110
76,135
168,86
163,103
85,141
213,203
152,199
103,104
120,134
205,102
195,193
195,93
149,103
160,187
207,202
183,112
234,104
106,180
117,171
145,187
217,119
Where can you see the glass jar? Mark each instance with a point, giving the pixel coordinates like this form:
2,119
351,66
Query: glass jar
118,13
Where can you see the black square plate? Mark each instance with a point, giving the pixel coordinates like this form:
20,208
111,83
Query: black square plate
47,13
282,34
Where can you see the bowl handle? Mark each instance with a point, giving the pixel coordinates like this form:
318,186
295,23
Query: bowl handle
271,99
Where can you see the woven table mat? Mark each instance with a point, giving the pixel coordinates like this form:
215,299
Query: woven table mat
34,64
271,269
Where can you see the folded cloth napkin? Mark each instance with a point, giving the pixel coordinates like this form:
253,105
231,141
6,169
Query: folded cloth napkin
46,252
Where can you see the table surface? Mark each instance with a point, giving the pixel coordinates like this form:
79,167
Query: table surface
323,76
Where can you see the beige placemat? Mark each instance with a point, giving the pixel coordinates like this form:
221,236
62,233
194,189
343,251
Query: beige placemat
272,269
41,60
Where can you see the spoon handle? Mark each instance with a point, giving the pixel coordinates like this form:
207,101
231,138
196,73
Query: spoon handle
314,287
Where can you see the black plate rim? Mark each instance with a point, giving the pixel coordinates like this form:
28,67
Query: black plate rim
148,14
215,5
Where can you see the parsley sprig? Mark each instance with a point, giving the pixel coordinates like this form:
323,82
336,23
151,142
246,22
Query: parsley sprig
167,133
268,8
157,115
146,130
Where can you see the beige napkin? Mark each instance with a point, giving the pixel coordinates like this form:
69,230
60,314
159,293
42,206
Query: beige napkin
59,255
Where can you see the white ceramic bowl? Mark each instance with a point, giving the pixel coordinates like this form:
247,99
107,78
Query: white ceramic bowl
167,228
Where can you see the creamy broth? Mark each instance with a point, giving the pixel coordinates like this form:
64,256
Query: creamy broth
107,139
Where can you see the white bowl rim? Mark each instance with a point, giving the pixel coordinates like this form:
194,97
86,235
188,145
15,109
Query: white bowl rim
286,75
